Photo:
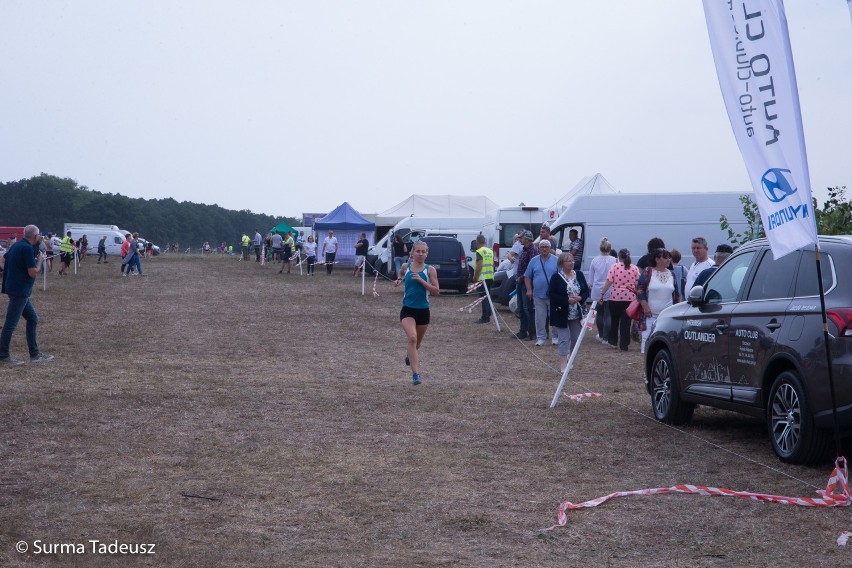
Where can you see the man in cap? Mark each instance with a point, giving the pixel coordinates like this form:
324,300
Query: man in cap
722,253
525,304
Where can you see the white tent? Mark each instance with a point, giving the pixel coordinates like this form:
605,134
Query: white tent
589,185
436,206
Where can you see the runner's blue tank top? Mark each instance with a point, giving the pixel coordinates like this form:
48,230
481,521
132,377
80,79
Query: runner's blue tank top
415,292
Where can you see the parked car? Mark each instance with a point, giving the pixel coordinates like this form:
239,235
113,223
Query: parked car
751,341
448,257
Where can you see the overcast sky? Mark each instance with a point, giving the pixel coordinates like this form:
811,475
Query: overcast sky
286,107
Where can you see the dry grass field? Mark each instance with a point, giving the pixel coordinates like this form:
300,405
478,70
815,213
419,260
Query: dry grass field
237,417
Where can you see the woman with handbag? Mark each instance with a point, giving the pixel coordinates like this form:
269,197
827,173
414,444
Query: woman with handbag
622,278
656,291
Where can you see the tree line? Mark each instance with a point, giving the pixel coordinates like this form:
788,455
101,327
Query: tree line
50,201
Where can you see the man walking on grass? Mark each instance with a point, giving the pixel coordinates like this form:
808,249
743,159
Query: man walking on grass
23,264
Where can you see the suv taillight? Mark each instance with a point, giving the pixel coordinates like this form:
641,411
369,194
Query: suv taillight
842,318
496,249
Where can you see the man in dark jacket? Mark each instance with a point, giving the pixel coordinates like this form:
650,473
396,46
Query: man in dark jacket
23,263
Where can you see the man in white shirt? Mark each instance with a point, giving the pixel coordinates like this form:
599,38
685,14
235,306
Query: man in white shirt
702,262
329,249
258,242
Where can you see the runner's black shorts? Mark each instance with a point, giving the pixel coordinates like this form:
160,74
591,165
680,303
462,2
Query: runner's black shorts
420,315
287,254
65,257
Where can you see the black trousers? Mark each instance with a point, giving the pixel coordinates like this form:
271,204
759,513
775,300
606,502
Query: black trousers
619,327
486,306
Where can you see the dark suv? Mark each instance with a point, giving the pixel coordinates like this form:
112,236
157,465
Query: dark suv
751,340
448,257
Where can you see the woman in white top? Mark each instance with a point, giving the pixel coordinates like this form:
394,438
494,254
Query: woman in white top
656,291
311,253
598,270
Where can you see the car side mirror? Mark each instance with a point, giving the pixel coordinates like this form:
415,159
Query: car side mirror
696,296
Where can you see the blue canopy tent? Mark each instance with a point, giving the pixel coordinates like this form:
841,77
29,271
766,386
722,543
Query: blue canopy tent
347,225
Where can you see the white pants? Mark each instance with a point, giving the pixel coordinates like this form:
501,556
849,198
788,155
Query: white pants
649,323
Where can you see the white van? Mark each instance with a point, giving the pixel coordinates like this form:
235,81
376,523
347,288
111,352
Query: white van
502,224
412,229
630,220
114,237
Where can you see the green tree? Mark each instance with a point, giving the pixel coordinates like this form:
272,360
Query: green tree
754,227
50,201
835,217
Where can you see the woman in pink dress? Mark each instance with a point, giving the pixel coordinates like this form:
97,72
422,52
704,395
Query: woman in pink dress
622,278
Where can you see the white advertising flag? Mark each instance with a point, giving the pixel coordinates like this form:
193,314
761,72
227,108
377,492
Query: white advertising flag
751,49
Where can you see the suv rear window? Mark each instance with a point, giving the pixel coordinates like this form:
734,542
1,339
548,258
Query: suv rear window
442,251
806,281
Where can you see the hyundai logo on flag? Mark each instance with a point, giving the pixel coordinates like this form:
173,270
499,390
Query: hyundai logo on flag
777,184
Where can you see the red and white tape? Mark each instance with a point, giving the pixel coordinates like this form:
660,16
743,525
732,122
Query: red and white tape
844,536
583,395
474,286
835,494
472,305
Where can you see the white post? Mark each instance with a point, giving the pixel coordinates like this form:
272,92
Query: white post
490,303
75,262
44,273
363,274
586,324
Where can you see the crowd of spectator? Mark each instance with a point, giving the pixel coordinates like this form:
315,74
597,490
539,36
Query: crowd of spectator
552,293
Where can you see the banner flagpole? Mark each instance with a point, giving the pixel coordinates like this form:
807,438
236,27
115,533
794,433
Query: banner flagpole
751,49
837,445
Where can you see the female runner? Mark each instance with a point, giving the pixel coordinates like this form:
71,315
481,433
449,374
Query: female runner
419,278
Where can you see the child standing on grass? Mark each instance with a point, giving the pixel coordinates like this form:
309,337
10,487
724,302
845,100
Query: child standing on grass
418,278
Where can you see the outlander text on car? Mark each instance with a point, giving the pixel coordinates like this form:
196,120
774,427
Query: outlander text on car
751,341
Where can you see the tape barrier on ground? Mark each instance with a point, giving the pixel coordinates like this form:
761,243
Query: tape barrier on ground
835,494
582,395
844,536
472,305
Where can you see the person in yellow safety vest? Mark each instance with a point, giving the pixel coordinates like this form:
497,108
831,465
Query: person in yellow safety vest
484,272
66,252
245,244
287,247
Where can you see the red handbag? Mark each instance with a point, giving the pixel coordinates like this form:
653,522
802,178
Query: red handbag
634,310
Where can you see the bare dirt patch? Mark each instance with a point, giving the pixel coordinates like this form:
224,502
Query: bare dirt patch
238,417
